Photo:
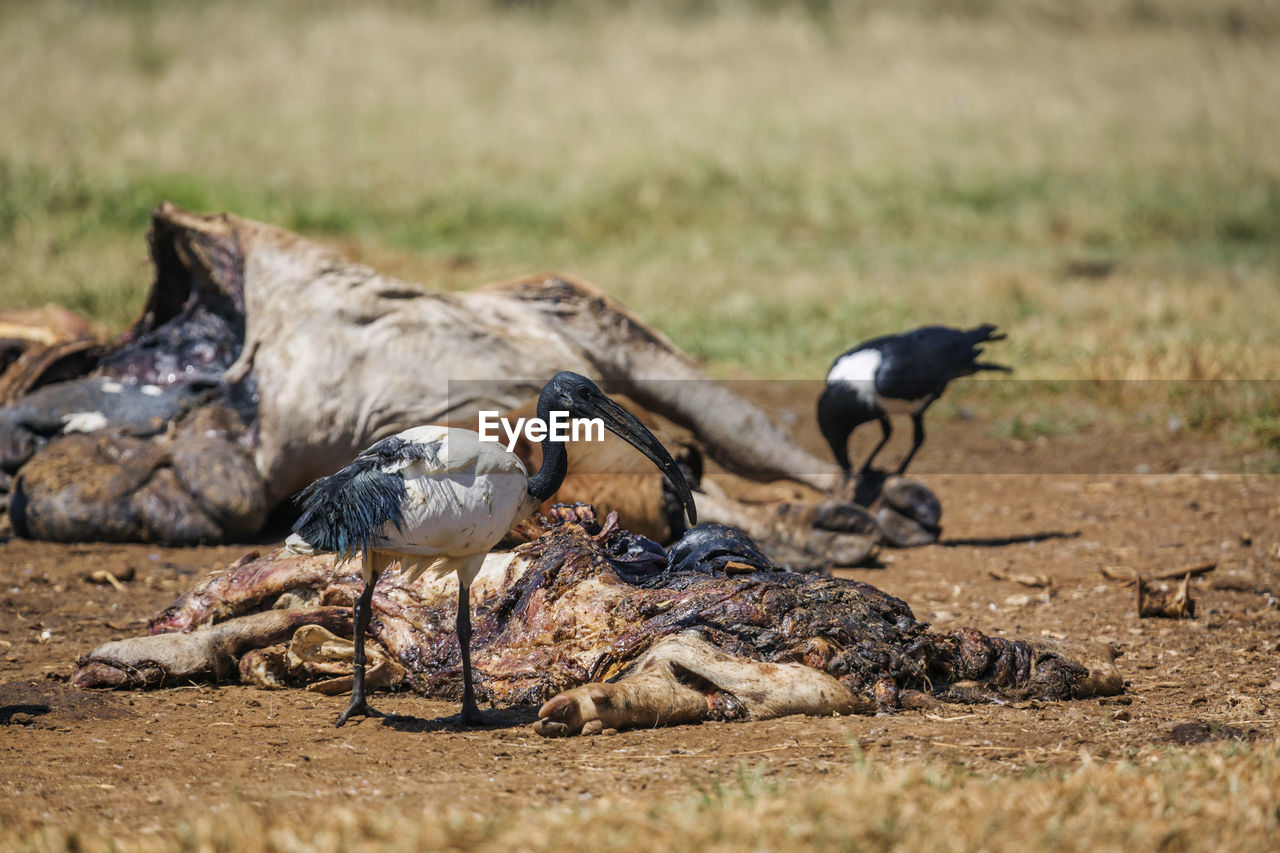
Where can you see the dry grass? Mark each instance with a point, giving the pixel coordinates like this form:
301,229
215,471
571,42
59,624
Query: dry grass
1218,798
765,181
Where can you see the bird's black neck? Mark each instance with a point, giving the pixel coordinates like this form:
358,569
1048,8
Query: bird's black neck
839,411
555,461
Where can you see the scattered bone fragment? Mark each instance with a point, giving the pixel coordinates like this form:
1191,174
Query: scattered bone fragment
1169,574
1163,602
1034,581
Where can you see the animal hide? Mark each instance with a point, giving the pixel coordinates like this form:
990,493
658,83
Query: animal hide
262,361
609,630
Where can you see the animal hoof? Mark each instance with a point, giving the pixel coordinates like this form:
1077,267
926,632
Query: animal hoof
550,728
844,517
835,532
913,499
903,532
565,714
842,549
575,711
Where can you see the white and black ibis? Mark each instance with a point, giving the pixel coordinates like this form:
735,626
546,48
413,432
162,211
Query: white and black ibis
896,374
438,499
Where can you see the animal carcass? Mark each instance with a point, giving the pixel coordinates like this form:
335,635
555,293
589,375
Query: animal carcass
607,630
262,361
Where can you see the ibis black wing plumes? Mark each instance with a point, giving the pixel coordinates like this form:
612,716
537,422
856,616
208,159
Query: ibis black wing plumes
344,511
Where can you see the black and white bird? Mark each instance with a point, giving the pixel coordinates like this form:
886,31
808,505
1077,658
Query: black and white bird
438,499
896,374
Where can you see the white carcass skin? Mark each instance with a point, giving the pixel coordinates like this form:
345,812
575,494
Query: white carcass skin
306,358
344,356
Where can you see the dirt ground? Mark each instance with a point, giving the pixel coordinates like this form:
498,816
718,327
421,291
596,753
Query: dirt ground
133,762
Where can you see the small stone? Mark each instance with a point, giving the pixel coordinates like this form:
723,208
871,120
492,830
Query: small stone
1241,706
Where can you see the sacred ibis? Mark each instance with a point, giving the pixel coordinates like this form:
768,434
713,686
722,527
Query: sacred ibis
438,499
896,374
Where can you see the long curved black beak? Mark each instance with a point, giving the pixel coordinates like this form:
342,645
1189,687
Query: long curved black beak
623,424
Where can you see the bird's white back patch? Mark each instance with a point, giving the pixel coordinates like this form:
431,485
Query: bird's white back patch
83,422
858,371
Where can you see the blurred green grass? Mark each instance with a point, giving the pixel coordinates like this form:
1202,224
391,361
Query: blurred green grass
767,182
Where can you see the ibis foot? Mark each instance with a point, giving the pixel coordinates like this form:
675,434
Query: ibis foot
470,715
359,708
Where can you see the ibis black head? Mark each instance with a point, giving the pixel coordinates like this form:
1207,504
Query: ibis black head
580,397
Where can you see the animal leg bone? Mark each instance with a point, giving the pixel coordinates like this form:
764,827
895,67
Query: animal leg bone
209,653
683,679
654,697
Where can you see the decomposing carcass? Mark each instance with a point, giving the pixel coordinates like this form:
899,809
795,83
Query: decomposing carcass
262,361
605,628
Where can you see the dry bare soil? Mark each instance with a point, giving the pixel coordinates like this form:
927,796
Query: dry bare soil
132,765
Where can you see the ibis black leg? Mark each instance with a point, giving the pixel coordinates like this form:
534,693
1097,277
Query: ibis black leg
358,706
917,439
470,711
886,430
